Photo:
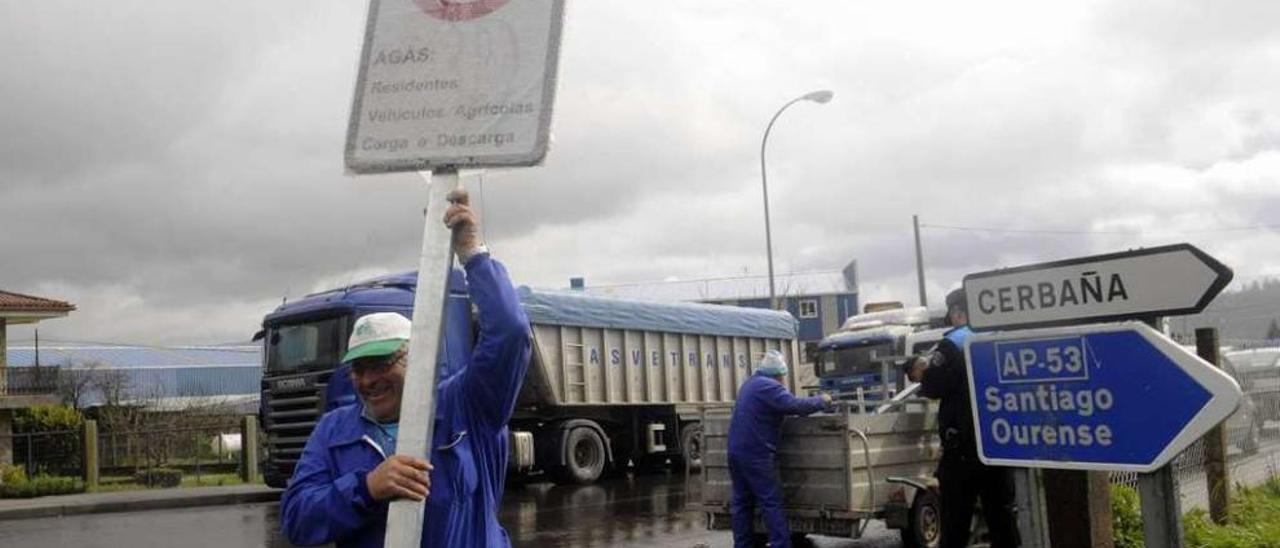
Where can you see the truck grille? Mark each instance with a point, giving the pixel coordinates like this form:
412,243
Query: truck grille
293,406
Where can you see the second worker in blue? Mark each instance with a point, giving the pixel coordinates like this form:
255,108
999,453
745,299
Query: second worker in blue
763,401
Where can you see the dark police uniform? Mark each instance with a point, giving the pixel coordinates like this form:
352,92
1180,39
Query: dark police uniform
962,478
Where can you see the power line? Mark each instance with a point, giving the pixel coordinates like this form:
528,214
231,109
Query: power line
1087,232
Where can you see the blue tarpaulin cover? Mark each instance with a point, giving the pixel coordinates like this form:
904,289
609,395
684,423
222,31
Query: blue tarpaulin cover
569,308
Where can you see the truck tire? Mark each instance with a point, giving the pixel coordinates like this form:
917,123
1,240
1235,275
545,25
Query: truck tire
924,522
691,446
274,479
584,457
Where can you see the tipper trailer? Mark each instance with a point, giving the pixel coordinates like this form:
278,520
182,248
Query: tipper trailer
611,381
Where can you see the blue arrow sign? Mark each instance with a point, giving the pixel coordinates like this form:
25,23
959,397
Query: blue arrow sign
1097,397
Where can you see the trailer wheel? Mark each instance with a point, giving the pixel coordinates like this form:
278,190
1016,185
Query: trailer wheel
924,522
584,457
691,446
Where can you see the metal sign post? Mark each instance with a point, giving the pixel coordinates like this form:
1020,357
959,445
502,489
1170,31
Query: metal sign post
418,404
444,85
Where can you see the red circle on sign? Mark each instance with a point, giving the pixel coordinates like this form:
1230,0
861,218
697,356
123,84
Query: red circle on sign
459,10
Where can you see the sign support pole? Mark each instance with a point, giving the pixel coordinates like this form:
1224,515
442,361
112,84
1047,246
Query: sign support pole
1161,514
1161,510
1033,517
418,405
1079,508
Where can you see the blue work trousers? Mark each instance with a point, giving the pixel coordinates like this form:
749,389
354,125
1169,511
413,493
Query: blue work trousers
756,485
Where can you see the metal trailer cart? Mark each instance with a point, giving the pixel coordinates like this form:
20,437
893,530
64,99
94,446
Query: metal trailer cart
841,470
871,460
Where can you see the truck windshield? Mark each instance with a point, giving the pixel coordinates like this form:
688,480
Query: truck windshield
309,345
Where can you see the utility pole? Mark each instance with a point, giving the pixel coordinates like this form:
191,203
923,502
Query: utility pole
915,222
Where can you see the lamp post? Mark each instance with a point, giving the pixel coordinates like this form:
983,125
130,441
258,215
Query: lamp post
820,97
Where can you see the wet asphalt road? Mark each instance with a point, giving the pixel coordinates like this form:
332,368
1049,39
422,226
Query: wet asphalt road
627,512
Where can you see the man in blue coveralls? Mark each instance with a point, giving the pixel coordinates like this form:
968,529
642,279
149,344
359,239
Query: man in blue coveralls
348,471
754,430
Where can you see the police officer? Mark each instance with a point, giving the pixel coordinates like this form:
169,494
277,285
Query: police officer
962,478
754,430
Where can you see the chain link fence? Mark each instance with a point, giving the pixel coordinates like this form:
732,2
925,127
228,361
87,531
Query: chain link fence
202,453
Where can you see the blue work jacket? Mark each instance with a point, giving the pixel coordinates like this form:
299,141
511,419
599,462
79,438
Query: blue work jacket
328,500
757,417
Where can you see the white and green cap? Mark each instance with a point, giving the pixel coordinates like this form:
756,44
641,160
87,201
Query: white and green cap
379,334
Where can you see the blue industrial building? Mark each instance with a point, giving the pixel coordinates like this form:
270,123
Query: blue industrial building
164,377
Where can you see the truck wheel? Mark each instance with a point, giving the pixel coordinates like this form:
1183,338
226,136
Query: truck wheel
584,457
691,446
924,522
275,480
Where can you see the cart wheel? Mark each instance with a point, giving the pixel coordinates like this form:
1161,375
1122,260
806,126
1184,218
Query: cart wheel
924,523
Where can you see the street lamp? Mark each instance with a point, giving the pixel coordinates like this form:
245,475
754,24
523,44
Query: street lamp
820,97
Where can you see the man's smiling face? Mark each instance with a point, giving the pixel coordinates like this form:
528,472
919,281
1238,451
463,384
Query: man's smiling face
380,383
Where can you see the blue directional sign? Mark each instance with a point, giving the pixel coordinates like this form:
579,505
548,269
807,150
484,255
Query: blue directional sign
1097,397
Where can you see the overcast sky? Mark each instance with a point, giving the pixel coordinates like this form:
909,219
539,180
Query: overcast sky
175,168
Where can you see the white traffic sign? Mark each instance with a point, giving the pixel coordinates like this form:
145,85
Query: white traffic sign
1167,280
460,84
1097,397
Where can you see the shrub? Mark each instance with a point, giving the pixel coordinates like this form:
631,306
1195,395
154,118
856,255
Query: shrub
1126,517
12,475
40,486
56,454
47,418
159,477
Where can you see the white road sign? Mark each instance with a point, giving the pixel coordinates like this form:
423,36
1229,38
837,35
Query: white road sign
1168,280
454,83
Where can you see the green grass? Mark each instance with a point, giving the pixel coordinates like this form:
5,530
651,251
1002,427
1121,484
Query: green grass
1253,520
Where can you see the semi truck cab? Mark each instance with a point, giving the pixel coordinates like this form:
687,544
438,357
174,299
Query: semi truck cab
862,361
303,343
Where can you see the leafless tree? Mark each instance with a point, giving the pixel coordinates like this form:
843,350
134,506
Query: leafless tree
76,383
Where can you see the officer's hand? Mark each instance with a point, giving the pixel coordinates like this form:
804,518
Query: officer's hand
465,225
400,476
916,371
827,400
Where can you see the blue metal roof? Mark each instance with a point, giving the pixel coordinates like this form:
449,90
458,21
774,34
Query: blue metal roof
158,372
135,356
573,308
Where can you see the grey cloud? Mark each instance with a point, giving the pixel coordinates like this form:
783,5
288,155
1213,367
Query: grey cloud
184,155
